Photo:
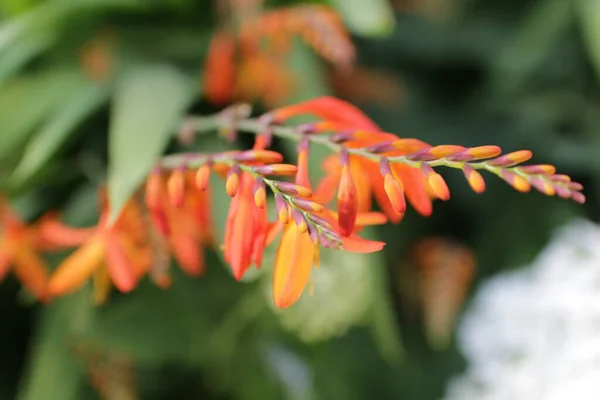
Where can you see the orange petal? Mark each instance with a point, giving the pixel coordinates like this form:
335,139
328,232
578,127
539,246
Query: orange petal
6,257
395,193
371,218
53,233
361,172
302,175
357,244
32,272
188,253
176,187
120,266
72,273
220,68
439,186
415,188
272,232
292,266
347,203
328,108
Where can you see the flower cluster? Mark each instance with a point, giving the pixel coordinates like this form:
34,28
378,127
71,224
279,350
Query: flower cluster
247,61
172,215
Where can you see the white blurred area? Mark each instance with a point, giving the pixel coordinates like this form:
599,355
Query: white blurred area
534,334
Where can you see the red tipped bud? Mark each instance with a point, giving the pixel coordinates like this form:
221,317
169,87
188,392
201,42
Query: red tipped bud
233,181
308,205
511,159
542,169
313,233
516,181
476,153
154,190
474,178
384,167
277,169
446,150
282,208
395,193
543,186
322,222
299,220
560,178
260,193
438,185
293,189
176,187
347,202
203,177
265,156
578,197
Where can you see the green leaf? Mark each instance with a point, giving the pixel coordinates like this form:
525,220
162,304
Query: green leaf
44,145
589,12
384,327
26,101
52,368
22,52
149,101
367,17
39,18
534,40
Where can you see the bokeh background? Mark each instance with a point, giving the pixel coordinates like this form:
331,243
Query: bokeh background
521,74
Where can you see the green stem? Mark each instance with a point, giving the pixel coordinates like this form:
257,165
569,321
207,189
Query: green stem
205,124
252,126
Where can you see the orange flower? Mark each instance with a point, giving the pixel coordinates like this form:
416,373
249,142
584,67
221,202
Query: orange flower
121,251
19,244
220,67
298,251
341,116
263,76
250,63
181,214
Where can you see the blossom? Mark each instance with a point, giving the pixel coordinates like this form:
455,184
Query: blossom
20,243
246,229
220,68
249,63
181,214
299,247
247,226
366,174
533,333
116,251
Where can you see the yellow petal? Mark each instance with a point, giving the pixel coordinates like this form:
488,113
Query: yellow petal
292,266
72,273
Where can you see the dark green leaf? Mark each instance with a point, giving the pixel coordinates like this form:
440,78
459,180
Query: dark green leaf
44,145
53,370
27,100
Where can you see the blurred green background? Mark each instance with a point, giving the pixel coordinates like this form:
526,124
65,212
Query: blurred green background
521,74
